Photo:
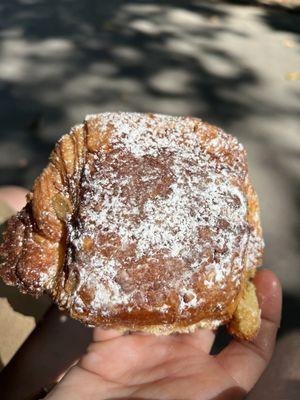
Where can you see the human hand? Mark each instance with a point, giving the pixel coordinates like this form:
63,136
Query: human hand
142,366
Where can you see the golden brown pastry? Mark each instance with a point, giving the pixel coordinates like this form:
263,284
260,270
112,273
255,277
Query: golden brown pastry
142,222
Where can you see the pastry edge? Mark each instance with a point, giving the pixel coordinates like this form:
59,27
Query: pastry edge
244,323
165,330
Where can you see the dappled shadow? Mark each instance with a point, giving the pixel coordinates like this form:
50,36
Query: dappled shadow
70,58
285,6
278,16
286,22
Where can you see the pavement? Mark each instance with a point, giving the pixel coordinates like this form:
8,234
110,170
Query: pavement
235,64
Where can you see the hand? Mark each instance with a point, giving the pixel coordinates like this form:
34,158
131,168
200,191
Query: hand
141,366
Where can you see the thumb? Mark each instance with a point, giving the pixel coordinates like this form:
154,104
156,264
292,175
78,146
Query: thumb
246,361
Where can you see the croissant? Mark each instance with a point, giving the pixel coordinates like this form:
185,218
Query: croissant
142,222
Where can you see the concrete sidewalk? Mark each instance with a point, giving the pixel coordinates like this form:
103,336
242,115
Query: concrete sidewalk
237,66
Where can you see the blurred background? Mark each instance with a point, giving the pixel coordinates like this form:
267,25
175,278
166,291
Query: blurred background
233,63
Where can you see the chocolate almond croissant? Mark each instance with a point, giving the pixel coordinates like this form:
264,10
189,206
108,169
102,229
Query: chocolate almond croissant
142,222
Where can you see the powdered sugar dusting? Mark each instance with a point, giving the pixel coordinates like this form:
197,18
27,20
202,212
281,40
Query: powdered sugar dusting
163,199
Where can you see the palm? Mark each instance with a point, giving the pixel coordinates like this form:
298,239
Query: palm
140,366
173,367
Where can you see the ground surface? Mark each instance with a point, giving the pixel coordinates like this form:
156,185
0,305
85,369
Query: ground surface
236,65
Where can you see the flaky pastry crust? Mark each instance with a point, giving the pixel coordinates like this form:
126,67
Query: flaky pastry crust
142,222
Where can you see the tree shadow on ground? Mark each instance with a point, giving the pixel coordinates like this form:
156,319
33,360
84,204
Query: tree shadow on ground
277,16
82,57
70,58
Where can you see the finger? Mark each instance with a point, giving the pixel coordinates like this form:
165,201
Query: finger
201,339
245,361
205,338
13,196
100,334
